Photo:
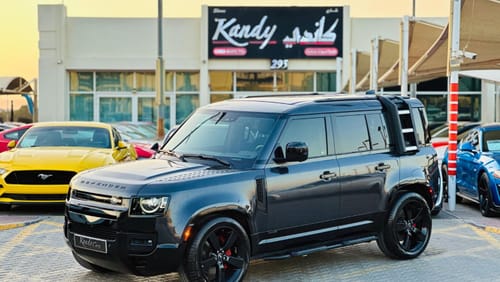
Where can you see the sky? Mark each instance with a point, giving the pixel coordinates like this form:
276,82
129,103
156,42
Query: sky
19,30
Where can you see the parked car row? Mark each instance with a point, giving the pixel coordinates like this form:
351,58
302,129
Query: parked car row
38,160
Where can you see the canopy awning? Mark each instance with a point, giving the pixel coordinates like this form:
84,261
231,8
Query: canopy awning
479,33
14,85
388,51
421,36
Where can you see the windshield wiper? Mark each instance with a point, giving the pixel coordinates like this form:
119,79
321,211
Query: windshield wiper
206,157
173,153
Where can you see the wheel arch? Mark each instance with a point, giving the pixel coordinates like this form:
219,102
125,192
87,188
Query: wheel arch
235,213
421,189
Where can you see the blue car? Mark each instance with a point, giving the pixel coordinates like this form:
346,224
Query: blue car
478,168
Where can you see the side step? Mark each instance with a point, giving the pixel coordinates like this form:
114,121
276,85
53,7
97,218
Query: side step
308,251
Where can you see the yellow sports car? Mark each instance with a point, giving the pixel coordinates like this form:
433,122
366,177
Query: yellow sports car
38,169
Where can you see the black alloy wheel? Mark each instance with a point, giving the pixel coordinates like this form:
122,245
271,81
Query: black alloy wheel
408,228
220,251
485,204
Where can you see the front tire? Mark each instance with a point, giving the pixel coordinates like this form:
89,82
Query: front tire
485,204
220,251
408,228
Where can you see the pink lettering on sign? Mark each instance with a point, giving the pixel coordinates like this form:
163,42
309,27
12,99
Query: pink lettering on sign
323,52
229,51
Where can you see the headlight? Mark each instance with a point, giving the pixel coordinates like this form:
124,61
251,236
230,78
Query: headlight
3,171
149,205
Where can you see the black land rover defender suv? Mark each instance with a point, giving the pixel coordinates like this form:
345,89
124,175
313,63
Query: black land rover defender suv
262,177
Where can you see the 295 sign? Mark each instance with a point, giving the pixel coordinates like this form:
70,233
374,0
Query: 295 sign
279,64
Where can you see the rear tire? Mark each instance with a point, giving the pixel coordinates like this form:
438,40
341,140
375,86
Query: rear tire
408,228
220,251
485,204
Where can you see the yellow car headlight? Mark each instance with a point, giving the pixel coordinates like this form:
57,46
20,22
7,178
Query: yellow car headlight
3,171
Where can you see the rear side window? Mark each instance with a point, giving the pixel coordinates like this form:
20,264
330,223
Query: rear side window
360,133
420,125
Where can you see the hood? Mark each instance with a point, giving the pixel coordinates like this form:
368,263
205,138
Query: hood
128,178
55,158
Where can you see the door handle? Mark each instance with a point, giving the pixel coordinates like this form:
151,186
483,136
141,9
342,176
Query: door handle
326,176
382,167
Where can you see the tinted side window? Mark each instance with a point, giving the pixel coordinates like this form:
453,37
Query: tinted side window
351,134
309,130
15,135
378,132
420,124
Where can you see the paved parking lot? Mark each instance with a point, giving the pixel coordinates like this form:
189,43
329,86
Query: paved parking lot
459,250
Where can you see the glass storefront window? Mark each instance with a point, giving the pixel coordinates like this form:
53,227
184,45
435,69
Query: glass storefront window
114,81
169,81
326,81
114,109
81,107
185,105
215,97
221,81
297,81
254,81
146,109
469,84
187,81
81,81
469,107
145,81
436,107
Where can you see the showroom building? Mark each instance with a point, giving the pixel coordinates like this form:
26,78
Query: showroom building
103,69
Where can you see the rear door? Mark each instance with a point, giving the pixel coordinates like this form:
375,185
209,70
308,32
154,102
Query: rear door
366,164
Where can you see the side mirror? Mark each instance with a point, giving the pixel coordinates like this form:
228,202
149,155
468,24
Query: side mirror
11,144
121,145
155,147
466,146
295,152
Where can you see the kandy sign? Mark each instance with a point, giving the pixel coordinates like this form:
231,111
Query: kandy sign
275,32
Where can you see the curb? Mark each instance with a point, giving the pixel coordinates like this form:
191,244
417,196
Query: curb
7,226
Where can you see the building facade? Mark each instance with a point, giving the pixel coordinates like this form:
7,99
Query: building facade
103,69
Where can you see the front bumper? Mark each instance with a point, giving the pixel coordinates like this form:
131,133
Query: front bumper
141,246
32,194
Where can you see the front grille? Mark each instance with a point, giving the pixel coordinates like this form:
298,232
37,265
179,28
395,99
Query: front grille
86,196
96,231
35,197
39,177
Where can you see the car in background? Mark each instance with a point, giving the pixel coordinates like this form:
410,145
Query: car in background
136,134
12,134
478,168
5,126
439,136
38,169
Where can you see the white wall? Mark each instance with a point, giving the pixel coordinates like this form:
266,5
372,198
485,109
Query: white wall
52,99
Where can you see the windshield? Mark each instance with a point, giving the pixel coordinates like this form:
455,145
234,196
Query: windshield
491,141
67,136
234,137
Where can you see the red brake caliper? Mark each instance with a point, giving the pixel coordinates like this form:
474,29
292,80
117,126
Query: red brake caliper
227,252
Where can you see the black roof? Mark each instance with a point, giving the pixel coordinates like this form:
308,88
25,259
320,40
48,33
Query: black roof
301,103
